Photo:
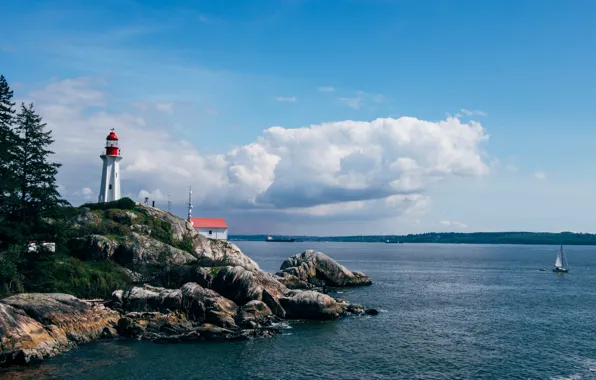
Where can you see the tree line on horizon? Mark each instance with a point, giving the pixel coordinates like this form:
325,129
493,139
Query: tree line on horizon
536,238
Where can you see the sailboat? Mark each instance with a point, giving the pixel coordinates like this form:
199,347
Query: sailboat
560,261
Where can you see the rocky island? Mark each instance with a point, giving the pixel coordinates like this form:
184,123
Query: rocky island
180,286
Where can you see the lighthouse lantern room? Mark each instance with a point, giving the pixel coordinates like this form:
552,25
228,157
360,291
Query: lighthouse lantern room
110,174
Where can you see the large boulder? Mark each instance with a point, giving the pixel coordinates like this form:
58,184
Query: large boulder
192,300
253,314
23,339
292,282
308,304
140,250
243,286
205,305
34,326
149,298
215,253
319,269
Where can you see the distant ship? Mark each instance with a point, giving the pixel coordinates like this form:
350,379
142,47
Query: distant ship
560,261
288,240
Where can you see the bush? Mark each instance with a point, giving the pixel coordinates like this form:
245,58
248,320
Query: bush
80,278
186,245
121,204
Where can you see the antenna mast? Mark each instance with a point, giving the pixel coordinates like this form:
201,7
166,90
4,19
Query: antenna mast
189,202
169,204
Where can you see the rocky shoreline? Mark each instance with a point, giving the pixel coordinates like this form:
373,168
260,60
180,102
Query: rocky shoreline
233,302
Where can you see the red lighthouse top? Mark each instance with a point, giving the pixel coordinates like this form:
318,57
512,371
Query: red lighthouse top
112,148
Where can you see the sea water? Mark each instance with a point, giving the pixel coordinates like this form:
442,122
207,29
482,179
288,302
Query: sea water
447,312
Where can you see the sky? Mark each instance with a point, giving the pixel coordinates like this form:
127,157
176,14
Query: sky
322,117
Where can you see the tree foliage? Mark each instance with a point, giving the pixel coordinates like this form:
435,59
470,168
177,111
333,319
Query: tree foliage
36,175
7,138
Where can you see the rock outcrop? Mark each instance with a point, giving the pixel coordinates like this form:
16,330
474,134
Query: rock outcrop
318,269
308,304
188,288
153,238
243,286
34,326
140,250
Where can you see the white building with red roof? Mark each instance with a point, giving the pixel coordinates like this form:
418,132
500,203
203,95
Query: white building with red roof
213,228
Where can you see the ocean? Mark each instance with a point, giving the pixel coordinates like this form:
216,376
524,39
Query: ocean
447,312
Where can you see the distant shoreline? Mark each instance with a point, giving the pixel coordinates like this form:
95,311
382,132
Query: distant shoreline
496,238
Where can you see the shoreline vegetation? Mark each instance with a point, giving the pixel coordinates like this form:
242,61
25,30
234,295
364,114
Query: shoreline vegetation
521,238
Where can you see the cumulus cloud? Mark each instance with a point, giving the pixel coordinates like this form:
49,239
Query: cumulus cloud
453,223
540,175
290,99
336,170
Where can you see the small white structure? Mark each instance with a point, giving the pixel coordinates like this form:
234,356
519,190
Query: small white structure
110,174
33,246
213,228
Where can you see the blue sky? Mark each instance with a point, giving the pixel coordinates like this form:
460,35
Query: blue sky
216,74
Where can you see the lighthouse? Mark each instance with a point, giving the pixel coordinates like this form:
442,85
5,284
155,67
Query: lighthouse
110,173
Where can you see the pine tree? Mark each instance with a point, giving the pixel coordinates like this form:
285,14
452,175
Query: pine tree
7,138
7,115
36,176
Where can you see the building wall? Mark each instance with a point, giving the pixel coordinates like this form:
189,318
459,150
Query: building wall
216,233
110,182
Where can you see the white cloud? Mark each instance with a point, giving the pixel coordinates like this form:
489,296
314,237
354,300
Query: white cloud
85,193
288,99
465,112
164,107
453,223
326,89
540,175
345,169
155,195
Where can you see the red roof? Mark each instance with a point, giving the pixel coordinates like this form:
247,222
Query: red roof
208,222
112,136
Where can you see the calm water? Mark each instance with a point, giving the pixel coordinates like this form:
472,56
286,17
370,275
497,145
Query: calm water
449,312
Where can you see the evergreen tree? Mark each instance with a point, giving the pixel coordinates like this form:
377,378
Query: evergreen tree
36,175
7,138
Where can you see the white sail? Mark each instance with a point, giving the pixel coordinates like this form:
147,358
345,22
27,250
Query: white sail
559,261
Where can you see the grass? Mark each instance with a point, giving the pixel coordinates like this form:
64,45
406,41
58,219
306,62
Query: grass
83,279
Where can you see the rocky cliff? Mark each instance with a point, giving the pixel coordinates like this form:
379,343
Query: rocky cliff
184,287
35,326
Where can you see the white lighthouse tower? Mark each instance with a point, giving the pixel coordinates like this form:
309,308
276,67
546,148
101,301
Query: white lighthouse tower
110,174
